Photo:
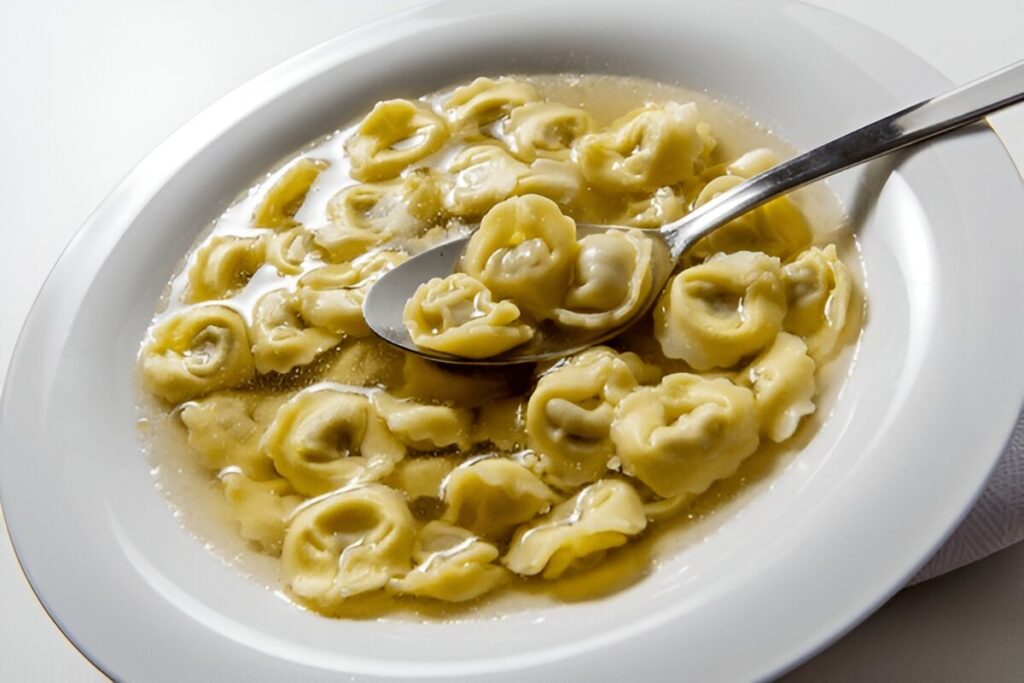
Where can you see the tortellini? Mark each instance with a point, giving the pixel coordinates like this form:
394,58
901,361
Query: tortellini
601,516
424,427
484,101
611,280
452,565
644,150
195,351
287,250
392,136
224,430
347,543
546,129
714,314
457,315
492,496
686,433
570,413
261,508
777,228
381,480
324,439
819,290
286,196
223,266
482,176
362,217
282,340
331,297
782,379
524,250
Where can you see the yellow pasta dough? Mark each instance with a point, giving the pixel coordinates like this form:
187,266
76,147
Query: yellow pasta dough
288,250
331,297
262,508
480,177
782,379
546,129
392,136
714,314
324,439
492,496
281,339
819,291
570,413
452,565
285,196
224,430
457,315
195,351
524,250
686,433
644,150
347,543
223,266
601,516
424,427
611,280
485,100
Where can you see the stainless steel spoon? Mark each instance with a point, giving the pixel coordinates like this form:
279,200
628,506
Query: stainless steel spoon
969,103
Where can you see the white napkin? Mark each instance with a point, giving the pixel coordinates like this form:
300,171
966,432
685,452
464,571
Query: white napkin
995,522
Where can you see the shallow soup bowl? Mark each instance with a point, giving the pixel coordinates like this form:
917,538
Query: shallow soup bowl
931,396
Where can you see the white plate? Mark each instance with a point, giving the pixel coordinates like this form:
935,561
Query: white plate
921,421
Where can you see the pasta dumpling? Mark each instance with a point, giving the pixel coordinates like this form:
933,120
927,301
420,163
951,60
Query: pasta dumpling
224,431
559,181
546,129
601,516
223,266
424,380
611,280
347,543
777,228
452,565
286,196
714,314
570,413
782,379
195,351
261,508
492,495
646,149
424,427
395,134
819,290
484,101
287,250
281,338
480,177
457,315
524,250
331,297
325,439
685,433
654,211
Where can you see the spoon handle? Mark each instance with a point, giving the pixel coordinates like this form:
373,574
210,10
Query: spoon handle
957,108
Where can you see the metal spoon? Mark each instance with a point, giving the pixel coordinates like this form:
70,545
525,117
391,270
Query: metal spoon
969,103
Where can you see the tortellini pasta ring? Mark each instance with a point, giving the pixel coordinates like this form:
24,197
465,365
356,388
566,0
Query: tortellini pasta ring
286,196
457,315
547,129
325,439
524,250
684,434
195,351
281,338
223,266
395,134
347,543
331,297
714,314
819,290
782,379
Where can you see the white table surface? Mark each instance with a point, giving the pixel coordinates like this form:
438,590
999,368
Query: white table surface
89,87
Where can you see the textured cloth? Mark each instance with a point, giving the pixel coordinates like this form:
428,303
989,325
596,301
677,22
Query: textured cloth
995,522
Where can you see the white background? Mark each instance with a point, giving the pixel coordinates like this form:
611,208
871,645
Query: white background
88,87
